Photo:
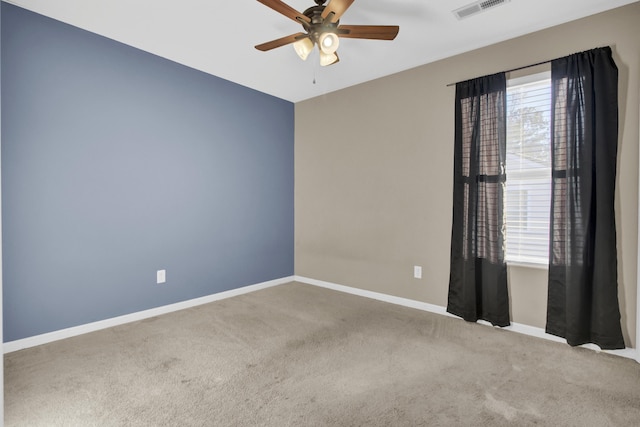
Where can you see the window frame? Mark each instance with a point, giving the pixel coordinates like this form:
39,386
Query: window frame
540,74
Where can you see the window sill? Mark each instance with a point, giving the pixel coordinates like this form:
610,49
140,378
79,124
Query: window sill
528,265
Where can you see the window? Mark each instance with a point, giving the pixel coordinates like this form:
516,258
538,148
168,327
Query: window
528,166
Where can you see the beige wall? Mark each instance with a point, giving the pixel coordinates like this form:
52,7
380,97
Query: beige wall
373,191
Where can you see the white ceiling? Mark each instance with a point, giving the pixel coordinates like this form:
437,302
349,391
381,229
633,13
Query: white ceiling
218,37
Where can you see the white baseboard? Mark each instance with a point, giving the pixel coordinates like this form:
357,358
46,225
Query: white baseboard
376,295
36,340
141,315
629,353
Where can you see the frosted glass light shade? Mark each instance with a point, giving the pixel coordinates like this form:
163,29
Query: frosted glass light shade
328,58
328,42
303,48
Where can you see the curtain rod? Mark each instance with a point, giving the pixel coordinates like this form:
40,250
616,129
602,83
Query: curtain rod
514,69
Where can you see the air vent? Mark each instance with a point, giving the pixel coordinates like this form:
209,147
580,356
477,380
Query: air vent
477,7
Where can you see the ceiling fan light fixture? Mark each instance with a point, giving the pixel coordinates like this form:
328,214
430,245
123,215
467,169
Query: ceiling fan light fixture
321,25
303,48
328,58
328,42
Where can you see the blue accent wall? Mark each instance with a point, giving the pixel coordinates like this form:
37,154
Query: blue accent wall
117,163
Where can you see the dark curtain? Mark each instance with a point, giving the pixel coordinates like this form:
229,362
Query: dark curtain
478,278
582,301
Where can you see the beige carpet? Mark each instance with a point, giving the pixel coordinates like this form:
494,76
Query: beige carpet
297,355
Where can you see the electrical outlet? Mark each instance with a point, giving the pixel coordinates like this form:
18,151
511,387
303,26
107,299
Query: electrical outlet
417,272
161,276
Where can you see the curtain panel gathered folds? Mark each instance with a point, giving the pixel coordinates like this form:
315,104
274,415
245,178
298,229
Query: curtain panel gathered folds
582,301
582,304
478,278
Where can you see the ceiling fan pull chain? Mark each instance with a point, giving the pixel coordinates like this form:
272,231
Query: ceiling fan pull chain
316,65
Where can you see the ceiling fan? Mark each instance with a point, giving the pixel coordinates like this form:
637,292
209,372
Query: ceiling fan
322,28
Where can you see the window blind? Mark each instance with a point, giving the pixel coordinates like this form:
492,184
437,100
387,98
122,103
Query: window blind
528,167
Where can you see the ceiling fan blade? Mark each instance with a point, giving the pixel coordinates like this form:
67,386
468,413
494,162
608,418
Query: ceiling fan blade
286,10
281,41
375,32
337,7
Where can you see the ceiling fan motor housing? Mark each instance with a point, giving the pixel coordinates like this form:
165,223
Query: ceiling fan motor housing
318,25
